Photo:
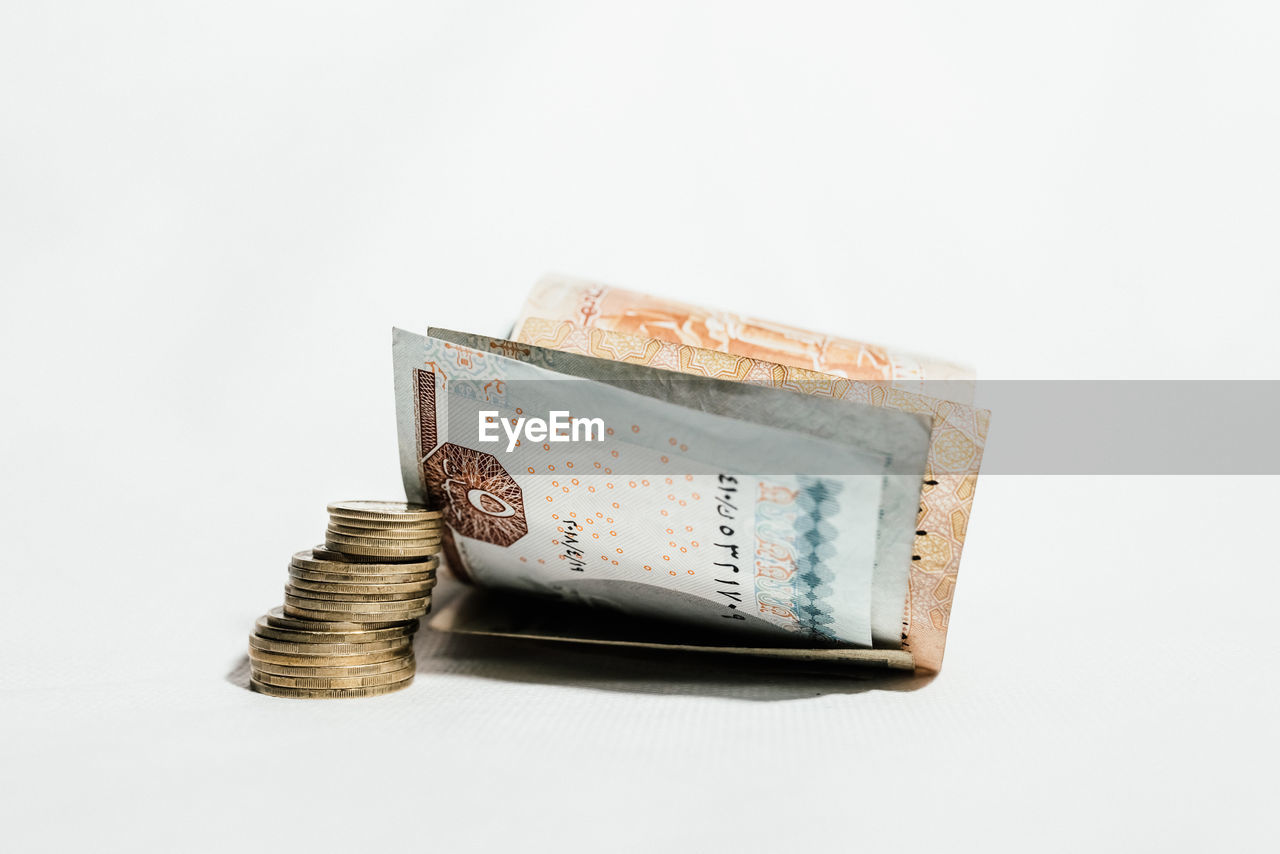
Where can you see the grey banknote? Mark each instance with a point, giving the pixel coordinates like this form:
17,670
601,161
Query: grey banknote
756,509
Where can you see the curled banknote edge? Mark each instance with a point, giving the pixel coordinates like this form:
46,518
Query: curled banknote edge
592,304
758,511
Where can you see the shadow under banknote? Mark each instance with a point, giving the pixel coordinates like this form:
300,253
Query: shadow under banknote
486,635
494,636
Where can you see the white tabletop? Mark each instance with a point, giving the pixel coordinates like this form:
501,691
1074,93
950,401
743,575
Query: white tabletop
212,218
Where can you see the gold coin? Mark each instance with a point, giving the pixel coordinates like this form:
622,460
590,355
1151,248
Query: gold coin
337,541
279,619
308,648
372,619
325,553
326,693
396,536
394,511
351,670
384,552
375,538
325,660
334,681
309,560
415,589
385,524
382,524
344,578
374,609
358,636
324,595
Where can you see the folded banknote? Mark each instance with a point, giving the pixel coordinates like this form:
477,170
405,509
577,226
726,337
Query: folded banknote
763,499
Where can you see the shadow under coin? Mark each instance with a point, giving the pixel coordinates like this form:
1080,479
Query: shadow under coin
239,675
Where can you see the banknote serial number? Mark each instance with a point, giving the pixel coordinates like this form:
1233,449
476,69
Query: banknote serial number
558,426
726,552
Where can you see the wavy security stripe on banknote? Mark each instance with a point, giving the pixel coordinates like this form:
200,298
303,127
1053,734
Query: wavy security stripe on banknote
591,304
663,517
955,456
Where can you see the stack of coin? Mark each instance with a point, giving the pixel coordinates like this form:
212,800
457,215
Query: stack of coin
382,530
351,606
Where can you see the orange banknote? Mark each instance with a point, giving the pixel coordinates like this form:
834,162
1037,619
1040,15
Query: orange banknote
590,304
955,447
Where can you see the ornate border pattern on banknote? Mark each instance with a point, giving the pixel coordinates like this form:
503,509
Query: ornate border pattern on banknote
425,403
955,456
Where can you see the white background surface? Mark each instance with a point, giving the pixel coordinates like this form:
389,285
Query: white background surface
211,215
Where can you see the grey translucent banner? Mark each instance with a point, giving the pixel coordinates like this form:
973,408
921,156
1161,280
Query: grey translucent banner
1034,427
1132,427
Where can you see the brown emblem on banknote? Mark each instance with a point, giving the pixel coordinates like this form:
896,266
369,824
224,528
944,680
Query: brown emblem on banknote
479,499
